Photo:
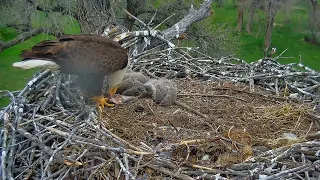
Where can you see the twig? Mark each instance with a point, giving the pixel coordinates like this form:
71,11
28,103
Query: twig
281,54
169,173
164,21
191,109
300,168
213,95
4,150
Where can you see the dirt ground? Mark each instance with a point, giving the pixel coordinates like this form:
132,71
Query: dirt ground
233,112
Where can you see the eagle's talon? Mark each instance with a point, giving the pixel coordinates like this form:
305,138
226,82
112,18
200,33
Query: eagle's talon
102,102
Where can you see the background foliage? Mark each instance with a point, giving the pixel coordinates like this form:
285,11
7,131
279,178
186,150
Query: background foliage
216,35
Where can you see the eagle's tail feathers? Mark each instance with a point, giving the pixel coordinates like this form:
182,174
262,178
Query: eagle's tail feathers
28,54
48,47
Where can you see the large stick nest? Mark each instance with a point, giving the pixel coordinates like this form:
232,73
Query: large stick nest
220,127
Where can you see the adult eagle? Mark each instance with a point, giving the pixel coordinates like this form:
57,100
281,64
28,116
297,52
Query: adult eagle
90,57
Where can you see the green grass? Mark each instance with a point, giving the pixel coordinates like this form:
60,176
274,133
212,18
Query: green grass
7,33
288,33
14,78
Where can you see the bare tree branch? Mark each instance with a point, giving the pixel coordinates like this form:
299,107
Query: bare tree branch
20,38
194,16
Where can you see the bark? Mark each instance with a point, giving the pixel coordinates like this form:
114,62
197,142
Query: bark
193,16
240,18
252,10
241,7
93,15
180,27
314,19
269,28
272,9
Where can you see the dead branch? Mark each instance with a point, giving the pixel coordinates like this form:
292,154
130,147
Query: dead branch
20,38
193,16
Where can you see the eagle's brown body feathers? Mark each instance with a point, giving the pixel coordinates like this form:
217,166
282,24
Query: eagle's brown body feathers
90,57
81,54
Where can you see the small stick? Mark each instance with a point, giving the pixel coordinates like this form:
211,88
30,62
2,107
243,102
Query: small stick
213,95
49,98
60,171
303,157
122,140
300,168
137,19
154,15
281,54
4,131
265,97
126,164
200,167
58,149
57,92
161,118
126,171
191,109
169,173
164,21
276,87
137,167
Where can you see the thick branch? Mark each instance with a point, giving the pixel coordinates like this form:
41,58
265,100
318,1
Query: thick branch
180,27
20,38
20,27
193,16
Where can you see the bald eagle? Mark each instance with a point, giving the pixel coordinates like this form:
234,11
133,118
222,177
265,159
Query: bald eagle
90,57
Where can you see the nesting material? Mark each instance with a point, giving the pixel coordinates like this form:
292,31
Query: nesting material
64,139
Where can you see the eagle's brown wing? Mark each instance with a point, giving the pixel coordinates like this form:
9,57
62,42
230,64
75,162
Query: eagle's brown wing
81,54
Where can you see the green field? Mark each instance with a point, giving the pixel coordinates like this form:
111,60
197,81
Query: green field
288,33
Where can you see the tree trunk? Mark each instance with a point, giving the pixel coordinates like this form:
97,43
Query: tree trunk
93,15
181,26
240,18
269,28
313,19
252,10
242,4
